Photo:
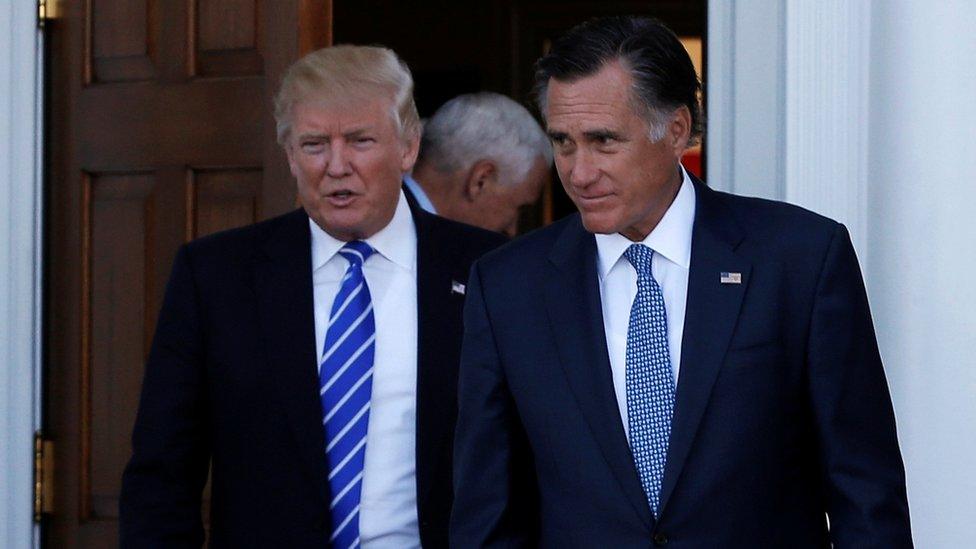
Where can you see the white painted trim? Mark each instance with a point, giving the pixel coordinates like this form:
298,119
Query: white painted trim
787,101
720,96
827,67
746,107
20,266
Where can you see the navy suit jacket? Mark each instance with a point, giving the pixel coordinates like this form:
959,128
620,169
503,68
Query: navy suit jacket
232,378
782,414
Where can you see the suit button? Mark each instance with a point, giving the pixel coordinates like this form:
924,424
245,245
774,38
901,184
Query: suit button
660,539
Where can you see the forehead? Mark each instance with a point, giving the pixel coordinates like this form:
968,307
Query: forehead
601,98
338,113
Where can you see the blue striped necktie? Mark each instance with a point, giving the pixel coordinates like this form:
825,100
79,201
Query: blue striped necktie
650,385
345,385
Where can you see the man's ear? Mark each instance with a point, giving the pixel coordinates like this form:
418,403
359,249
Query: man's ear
481,174
408,155
290,153
679,130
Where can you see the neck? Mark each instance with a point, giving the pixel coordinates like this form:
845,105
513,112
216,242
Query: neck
435,186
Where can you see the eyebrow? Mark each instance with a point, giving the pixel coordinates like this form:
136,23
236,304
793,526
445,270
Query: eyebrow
596,135
351,133
357,131
553,135
311,135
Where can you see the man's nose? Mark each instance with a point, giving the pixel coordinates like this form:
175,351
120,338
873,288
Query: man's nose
338,165
583,170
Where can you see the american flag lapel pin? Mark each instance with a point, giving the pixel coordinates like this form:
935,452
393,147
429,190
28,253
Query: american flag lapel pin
731,278
457,287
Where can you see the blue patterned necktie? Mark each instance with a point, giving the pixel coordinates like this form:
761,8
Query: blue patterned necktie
650,386
345,385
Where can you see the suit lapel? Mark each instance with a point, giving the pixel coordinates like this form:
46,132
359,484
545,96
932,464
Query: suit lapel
437,325
576,319
283,287
710,317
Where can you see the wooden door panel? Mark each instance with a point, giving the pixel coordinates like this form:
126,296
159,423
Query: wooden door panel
160,131
225,198
117,318
226,36
119,39
200,122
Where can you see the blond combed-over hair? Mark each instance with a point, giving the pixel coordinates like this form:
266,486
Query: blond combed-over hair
345,72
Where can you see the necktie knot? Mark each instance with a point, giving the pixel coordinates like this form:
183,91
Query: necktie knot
640,257
356,252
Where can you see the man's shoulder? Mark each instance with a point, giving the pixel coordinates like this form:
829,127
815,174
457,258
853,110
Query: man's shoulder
528,252
458,238
772,220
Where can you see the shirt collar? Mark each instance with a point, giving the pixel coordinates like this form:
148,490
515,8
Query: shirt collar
671,238
397,242
418,193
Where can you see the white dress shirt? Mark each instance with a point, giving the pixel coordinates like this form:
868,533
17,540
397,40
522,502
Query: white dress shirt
388,505
671,242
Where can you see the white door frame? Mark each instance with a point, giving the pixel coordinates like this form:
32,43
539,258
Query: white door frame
20,265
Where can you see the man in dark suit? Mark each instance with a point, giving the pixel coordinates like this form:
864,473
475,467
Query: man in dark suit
310,361
702,372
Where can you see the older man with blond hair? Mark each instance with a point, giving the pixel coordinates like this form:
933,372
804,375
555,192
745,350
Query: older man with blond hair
309,362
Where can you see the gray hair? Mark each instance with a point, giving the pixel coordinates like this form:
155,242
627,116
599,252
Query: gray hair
341,72
477,126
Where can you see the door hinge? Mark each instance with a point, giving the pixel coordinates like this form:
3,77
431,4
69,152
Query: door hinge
43,476
47,10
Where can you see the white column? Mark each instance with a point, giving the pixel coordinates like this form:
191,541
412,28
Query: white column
20,204
878,125
826,97
921,220
745,104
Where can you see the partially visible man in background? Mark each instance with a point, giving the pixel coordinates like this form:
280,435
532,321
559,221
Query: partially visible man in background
482,157
309,362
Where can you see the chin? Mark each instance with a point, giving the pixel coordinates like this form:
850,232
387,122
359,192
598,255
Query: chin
594,224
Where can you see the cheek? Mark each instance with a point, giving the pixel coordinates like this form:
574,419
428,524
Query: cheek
564,165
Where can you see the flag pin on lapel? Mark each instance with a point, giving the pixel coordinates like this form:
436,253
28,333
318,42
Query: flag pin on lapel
457,287
731,278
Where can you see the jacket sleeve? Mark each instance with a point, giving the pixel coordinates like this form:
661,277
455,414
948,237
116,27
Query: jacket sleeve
495,494
163,481
863,470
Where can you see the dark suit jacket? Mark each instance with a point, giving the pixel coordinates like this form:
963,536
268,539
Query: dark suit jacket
782,410
231,378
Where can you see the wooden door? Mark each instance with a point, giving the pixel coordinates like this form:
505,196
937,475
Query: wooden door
159,130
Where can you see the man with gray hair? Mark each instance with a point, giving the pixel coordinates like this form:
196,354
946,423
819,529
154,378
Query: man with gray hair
309,362
673,365
482,157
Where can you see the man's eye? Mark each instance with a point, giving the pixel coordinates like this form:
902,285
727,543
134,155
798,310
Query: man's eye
606,139
312,146
364,140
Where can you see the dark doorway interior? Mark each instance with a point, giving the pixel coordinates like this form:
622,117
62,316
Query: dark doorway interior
460,47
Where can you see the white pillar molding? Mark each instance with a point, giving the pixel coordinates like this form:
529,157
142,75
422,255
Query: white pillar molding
861,89
922,251
20,274
787,104
745,105
826,96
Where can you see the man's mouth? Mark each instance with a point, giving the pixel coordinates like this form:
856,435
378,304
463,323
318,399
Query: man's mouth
594,198
341,197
